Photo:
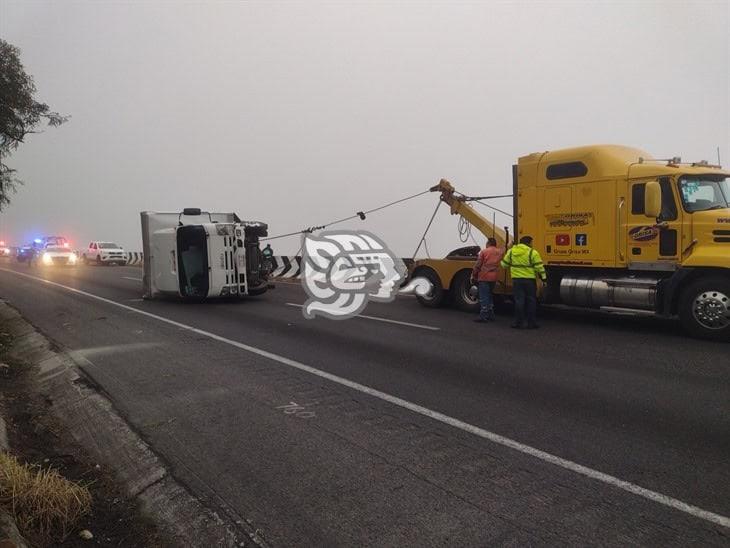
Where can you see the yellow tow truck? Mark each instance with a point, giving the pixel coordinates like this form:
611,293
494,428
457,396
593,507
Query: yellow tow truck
617,229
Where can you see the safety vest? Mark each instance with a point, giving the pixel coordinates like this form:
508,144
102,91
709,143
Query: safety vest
524,262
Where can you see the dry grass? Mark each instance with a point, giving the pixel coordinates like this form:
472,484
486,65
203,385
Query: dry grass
45,505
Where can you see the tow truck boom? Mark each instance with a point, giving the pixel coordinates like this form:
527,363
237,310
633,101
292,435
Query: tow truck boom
459,206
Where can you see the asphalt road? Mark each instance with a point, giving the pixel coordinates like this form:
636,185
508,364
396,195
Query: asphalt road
424,429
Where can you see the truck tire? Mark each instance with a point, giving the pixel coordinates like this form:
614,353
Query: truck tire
459,291
436,297
704,309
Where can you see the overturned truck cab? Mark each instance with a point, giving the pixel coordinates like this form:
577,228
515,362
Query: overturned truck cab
197,255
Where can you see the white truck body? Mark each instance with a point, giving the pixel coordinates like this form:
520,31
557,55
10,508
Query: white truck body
199,255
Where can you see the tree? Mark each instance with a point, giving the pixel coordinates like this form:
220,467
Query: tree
20,114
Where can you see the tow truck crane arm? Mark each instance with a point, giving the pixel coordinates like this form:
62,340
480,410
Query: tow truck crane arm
459,206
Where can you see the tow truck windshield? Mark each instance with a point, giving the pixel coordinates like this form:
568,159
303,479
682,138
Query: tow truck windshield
704,193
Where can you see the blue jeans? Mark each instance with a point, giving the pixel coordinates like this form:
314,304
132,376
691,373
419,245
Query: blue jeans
524,291
486,302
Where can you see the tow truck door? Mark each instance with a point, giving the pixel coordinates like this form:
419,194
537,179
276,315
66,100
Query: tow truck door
653,244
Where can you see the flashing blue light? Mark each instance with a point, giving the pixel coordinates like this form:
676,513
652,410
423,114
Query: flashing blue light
38,240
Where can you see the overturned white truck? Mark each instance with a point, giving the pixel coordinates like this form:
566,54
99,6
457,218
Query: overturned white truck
196,255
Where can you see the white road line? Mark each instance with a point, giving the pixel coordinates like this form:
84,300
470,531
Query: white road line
386,320
130,278
648,494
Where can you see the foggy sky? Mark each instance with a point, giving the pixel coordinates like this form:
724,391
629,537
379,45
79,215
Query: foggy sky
297,114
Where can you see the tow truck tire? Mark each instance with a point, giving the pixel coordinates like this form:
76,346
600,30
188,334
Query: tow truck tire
704,309
436,297
459,291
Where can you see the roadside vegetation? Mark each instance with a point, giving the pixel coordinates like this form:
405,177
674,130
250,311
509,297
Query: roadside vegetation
21,114
57,495
45,505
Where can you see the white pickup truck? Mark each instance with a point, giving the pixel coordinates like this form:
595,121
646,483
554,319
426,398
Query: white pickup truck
103,253
196,255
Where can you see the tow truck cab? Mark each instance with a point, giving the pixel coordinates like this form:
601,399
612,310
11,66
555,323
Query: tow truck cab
619,229
195,255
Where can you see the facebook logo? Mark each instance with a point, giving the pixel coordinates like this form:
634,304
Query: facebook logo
581,239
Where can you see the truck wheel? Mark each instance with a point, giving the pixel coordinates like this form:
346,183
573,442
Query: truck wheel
435,297
704,309
460,286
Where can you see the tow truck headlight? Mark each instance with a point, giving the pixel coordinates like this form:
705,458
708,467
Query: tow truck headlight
47,259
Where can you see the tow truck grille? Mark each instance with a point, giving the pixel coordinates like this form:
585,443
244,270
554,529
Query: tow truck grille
721,236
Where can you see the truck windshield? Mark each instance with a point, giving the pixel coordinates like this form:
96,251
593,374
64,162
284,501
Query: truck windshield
704,193
108,245
192,248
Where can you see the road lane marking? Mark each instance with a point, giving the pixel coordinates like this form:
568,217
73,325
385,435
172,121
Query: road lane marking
386,320
130,278
566,464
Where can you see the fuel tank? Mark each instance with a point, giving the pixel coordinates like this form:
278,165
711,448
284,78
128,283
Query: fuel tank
629,292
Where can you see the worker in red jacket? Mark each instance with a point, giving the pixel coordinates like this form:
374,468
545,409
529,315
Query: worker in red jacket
485,274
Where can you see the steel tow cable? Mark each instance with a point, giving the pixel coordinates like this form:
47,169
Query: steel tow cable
423,238
360,214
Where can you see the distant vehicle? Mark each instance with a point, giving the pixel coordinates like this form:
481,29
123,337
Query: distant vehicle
53,241
25,252
5,250
104,253
57,256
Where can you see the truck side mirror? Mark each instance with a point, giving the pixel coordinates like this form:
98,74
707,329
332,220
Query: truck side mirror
653,199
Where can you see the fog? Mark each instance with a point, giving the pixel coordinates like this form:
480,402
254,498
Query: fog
298,114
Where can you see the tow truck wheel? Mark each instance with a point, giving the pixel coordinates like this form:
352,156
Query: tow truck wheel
435,297
461,294
704,309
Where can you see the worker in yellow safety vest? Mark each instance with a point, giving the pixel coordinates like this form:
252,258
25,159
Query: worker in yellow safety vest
525,265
